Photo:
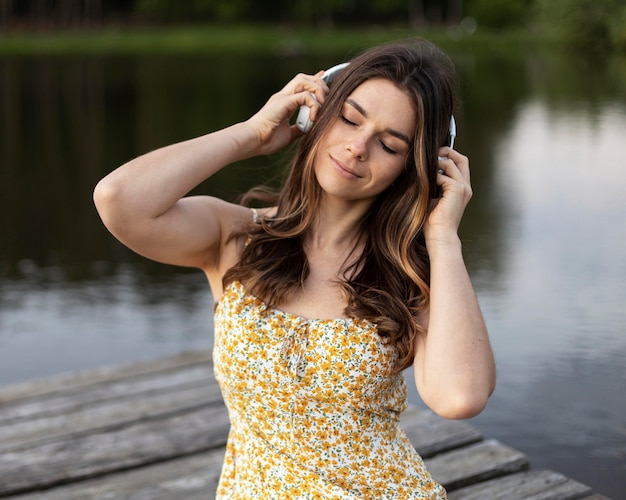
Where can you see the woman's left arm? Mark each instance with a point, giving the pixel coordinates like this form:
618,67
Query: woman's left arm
454,364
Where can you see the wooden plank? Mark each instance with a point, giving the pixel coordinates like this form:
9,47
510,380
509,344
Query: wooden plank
61,383
157,430
431,434
91,455
188,478
61,402
105,415
533,484
152,486
475,463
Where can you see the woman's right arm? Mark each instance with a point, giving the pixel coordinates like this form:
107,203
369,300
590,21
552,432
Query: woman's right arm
143,202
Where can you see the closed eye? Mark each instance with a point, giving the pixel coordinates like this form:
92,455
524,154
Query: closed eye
387,149
345,120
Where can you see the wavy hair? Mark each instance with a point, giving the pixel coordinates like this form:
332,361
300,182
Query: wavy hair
389,284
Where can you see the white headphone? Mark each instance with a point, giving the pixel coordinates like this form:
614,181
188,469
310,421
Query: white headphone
304,123
452,131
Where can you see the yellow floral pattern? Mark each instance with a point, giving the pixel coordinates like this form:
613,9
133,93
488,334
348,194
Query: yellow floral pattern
314,408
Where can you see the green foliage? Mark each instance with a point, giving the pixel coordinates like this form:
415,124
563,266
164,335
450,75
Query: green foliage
195,10
499,13
617,28
387,7
588,24
324,12
224,10
301,12
165,10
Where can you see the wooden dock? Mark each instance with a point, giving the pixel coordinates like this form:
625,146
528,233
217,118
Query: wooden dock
157,430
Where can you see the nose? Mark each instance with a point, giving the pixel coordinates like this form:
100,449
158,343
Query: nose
357,146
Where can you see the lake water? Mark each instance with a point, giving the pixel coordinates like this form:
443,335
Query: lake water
545,235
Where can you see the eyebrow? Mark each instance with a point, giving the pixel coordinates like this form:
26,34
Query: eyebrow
390,131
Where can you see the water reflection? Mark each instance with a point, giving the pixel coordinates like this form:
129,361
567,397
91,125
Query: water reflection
544,234
51,325
566,194
558,323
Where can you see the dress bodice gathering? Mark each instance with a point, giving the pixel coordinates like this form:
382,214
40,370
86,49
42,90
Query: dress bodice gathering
314,406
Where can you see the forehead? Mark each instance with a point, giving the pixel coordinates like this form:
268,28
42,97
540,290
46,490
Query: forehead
385,102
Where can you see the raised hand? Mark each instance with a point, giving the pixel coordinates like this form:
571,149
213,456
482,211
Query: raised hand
271,124
454,180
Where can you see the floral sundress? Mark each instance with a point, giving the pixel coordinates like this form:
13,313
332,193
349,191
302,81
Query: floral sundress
314,407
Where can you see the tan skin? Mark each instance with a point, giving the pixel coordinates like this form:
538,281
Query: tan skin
142,203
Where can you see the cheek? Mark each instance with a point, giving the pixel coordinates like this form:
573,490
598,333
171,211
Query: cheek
394,170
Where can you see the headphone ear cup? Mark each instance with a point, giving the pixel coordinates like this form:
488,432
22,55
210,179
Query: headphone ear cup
452,131
303,121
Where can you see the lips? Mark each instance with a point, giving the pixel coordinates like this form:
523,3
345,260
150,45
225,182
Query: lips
344,170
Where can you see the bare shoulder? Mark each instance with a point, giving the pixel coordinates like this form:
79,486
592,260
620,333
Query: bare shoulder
229,213
195,232
232,218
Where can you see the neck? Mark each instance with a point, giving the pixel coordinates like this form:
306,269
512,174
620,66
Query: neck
337,225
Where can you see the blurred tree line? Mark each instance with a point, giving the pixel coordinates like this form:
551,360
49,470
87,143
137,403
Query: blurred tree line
64,13
595,23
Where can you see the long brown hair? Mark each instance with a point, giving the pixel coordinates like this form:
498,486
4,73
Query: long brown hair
389,283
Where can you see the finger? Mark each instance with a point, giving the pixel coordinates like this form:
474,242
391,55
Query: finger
458,162
450,178
302,82
448,168
454,155
314,106
313,84
319,89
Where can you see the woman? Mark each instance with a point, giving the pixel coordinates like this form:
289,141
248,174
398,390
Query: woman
351,274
